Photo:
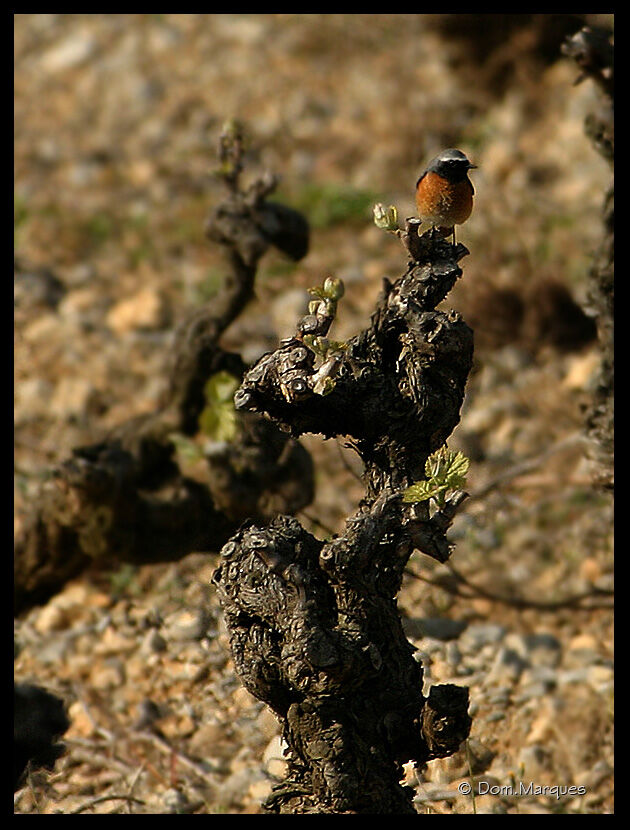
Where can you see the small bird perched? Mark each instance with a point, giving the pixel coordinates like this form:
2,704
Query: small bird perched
444,193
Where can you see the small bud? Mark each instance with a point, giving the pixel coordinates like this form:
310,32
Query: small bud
316,344
324,380
334,288
385,218
324,386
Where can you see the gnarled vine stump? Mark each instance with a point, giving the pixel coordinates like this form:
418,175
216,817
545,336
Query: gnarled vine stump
314,627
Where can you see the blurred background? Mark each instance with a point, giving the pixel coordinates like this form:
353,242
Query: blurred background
116,119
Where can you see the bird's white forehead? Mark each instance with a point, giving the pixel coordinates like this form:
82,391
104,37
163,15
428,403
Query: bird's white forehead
452,155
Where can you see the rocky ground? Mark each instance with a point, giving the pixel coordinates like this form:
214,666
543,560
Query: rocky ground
116,120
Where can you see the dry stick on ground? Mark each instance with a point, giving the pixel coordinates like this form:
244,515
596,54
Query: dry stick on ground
92,802
314,627
125,498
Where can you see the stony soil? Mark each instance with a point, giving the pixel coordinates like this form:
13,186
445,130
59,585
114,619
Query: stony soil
116,120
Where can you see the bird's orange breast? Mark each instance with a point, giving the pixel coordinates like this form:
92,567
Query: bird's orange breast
444,203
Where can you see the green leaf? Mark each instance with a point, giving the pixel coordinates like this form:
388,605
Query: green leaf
218,419
220,388
447,467
219,422
422,491
444,470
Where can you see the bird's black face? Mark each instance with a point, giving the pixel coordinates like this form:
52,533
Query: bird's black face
455,168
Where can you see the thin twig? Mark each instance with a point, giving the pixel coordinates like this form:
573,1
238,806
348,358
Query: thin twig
528,464
134,781
544,605
574,601
475,590
345,461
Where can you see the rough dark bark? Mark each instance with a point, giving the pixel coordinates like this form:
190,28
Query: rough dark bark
592,49
125,497
314,627
39,719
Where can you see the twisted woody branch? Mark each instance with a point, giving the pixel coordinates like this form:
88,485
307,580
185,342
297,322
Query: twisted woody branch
125,498
314,627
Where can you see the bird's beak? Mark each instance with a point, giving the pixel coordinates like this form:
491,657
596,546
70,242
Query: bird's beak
471,166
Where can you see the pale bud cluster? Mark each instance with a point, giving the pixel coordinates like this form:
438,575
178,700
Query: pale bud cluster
385,218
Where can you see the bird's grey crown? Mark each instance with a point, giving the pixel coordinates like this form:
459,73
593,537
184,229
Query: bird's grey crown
451,155
449,158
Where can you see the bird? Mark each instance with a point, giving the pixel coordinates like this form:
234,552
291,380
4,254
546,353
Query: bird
444,193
